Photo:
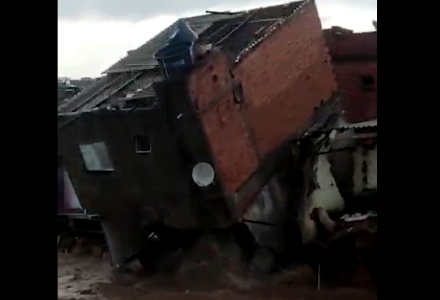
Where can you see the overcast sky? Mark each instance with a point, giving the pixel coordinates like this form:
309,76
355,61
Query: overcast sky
93,34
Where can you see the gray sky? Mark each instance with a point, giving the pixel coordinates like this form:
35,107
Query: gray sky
93,34
137,10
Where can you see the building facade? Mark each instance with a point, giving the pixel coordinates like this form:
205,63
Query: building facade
354,57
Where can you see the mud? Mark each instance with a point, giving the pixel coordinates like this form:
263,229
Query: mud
90,278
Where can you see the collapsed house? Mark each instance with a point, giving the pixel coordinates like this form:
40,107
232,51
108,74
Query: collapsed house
239,36
339,217
349,168
339,174
188,129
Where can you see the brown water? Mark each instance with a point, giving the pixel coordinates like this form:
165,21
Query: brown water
91,278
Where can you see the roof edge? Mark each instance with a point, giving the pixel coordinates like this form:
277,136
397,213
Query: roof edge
122,70
272,29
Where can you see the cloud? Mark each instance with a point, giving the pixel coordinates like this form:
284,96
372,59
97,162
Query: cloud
138,10
94,34
87,48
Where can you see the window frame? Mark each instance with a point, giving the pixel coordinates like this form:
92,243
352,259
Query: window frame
367,87
136,145
96,157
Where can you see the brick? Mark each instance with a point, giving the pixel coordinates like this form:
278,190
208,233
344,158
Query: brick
283,79
354,55
358,104
235,159
348,44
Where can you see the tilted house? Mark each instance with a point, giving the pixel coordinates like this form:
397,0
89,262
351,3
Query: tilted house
237,88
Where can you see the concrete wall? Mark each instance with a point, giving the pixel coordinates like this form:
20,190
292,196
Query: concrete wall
151,187
327,194
155,186
365,169
131,170
270,209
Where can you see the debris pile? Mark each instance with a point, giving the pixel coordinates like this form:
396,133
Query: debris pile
345,250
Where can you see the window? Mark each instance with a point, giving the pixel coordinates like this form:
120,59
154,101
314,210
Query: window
142,144
96,157
367,82
237,91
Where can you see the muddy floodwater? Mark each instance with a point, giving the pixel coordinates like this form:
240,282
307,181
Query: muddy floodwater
87,277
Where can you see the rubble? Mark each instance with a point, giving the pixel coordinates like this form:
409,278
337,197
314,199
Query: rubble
345,245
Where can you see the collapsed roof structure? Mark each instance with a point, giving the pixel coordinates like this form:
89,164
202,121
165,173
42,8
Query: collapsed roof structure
139,68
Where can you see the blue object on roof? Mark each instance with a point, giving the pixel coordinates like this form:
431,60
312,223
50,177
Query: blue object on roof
177,55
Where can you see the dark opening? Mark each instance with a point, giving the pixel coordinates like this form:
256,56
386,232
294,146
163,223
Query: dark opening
261,203
142,144
214,78
237,90
140,103
367,82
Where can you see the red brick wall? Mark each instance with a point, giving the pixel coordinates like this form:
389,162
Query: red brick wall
358,104
354,56
351,44
225,130
283,79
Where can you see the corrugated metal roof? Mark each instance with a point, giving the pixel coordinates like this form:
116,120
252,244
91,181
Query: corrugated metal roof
234,32
366,124
143,56
83,96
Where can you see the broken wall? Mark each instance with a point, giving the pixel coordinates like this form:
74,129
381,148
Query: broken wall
249,109
365,171
270,208
322,192
329,190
